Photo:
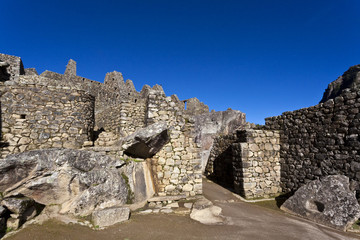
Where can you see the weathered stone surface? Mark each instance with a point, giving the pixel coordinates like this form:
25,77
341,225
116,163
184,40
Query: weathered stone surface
14,223
68,111
210,125
167,198
18,205
40,117
146,142
320,140
327,201
205,212
139,180
350,79
110,216
4,64
79,181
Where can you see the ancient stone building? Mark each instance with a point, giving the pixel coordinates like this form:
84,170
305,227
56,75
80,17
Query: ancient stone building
53,110
321,140
296,147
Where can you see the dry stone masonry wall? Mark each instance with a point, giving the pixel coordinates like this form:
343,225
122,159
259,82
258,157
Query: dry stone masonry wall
220,163
122,119
55,110
10,67
36,117
248,162
256,162
320,140
177,166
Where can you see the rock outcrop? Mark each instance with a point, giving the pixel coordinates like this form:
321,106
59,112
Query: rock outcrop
327,201
350,79
210,125
146,142
79,181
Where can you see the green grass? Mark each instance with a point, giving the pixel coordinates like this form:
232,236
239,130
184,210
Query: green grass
356,226
270,204
127,160
273,204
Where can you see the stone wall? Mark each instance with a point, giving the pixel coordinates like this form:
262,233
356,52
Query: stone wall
13,69
58,111
208,126
122,119
195,107
36,117
105,95
247,161
112,92
320,140
105,139
177,167
31,71
219,167
256,162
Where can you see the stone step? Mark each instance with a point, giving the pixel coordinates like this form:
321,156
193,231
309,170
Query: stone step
167,198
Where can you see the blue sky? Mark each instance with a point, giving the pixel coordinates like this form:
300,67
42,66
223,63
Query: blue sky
260,57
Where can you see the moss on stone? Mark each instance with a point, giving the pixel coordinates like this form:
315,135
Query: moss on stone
130,195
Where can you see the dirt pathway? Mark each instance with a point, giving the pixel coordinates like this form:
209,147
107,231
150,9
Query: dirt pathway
243,221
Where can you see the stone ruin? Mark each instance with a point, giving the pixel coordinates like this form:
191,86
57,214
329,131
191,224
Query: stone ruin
159,143
292,150
162,146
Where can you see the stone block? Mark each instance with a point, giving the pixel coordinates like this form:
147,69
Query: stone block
187,188
110,216
14,223
249,185
170,188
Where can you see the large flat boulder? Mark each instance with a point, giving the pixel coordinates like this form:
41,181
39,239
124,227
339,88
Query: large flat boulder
146,142
79,181
109,216
328,201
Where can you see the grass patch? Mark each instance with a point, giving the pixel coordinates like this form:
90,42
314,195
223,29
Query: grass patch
356,226
127,160
270,204
274,204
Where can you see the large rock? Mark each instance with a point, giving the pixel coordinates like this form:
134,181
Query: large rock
205,212
350,79
21,210
109,216
327,201
139,180
79,181
146,142
18,205
210,125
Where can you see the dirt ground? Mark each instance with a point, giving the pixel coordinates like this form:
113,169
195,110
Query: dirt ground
243,221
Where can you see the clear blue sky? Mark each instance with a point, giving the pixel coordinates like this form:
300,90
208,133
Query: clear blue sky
258,56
